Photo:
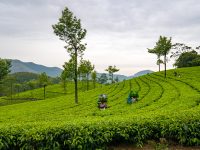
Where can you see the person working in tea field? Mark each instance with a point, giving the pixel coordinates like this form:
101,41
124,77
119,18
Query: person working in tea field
102,101
132,97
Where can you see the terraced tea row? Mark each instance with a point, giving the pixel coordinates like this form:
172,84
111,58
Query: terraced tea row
167,107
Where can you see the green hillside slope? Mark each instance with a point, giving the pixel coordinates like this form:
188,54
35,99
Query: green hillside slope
52,91
167,108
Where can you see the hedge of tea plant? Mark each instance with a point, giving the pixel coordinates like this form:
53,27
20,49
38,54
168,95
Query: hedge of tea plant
167,108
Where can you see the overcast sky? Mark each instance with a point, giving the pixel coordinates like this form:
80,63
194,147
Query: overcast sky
118,31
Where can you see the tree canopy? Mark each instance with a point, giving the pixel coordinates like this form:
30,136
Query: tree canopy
156,51
69,30
43,79
162,48
5,66
103,78
94,78
111,70
188,59
85,69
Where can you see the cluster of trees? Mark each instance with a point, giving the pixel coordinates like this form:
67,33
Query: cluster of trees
184,55
22,81
162,48
85,71
5,66
104,79
69,29
111,70
86,74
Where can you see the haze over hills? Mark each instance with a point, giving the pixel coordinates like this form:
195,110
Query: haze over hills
20,66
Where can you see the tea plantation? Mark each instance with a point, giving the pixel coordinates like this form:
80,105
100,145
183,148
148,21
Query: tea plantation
167,108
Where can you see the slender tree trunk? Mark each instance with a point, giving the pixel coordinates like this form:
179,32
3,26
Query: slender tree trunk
165,65
82,86
18,92
94,84
44,92
158,62
112,77
75,79
65,87
87,81
11,87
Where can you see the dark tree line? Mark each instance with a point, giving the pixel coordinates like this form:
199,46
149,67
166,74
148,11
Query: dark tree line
185,56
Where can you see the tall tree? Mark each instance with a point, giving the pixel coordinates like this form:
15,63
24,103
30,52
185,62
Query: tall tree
5,66
111,70
163,46
156,51
94,78
69,30
44,81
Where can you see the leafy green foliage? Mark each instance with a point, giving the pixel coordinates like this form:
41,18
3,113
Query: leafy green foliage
69,30
111,70
103,78
94,78
156,51
5,66
43,79
22,77
22,81
188,59
85,69
162,48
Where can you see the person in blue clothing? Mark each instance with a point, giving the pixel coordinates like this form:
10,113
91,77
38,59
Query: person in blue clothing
132,97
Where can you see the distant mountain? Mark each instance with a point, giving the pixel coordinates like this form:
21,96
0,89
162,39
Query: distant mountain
19,66
141,73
